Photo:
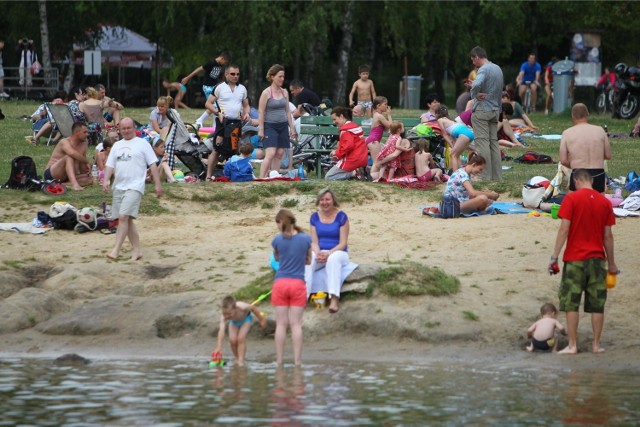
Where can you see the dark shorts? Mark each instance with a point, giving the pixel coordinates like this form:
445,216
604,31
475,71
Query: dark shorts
276,135
47,175
545,345
599,180
586,277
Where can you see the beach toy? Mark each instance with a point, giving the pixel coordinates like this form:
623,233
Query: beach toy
205,131
275,265
178,174
216,360
261,297
611,280
319,299
554,210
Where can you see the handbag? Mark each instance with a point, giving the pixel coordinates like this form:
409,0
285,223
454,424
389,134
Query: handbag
449,207
36,67
532,195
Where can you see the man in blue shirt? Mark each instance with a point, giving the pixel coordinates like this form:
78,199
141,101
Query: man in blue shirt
529,75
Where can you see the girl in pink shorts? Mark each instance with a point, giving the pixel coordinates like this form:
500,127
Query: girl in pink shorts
292,249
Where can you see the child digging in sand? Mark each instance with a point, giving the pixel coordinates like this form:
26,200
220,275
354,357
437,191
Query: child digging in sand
543,332
239,316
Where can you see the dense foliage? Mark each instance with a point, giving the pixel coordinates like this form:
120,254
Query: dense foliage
308,36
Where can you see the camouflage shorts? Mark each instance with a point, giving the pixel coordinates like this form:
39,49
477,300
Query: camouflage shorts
583,276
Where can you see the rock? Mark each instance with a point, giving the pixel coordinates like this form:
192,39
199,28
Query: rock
27,308
171,326
363,272
357,287
71,359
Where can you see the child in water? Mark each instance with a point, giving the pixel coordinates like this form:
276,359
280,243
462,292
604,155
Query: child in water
292,249
543,332
239,316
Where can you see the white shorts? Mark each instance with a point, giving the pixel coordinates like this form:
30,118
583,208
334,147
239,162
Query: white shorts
126,202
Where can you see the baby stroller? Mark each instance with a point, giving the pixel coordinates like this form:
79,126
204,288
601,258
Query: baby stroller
186,146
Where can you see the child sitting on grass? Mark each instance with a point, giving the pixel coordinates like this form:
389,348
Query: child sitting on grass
388,155
543,332
239,168
424,163
239,316
157,144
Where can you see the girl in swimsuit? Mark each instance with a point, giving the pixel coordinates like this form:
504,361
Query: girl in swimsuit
457,135
379,123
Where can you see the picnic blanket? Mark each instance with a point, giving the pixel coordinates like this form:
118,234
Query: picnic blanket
411,183
495,208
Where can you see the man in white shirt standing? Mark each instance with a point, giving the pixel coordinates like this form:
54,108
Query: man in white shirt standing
129,160
230,105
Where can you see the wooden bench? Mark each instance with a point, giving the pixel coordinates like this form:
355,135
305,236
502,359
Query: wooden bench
322,126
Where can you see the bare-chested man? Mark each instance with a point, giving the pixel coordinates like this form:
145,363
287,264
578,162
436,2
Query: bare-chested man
69,162
585,146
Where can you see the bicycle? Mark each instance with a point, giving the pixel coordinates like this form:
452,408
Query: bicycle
605,99
526,101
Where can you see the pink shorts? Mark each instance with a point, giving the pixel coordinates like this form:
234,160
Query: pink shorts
426,177
289,292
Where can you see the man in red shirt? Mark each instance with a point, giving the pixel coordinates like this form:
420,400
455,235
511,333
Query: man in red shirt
587,217
352,152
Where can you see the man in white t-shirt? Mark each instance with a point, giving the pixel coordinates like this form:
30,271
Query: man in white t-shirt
230,105
128,161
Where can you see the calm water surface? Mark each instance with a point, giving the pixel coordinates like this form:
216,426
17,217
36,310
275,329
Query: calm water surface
170,393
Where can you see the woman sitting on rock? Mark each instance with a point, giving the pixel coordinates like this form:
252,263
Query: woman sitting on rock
329,236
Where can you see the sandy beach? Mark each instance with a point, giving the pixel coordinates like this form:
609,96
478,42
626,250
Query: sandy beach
59,294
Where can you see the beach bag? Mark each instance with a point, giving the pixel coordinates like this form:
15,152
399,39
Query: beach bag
449,207
87,217
532,157
23,171
36,67
533,195
66,221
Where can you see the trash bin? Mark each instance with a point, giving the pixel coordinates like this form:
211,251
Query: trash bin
412,83
562,76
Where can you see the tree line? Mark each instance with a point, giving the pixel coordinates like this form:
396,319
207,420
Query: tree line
324,42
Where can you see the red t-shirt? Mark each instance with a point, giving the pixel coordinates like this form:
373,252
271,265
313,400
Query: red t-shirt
589,212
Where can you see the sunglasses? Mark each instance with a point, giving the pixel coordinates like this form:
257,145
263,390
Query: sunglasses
234,74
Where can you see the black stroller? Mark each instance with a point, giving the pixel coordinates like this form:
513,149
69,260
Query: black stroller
184,143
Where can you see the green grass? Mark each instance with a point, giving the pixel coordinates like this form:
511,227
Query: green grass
235,197
255,288
408,278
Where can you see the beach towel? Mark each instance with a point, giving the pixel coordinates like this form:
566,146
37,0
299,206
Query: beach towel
319,281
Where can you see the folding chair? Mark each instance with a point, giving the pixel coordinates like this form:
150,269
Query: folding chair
62,118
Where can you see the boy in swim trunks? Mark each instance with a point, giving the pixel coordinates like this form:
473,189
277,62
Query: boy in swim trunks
365,92
239,315
543,332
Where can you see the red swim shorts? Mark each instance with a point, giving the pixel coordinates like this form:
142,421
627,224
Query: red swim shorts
289,292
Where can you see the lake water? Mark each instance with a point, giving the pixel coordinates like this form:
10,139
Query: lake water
188,393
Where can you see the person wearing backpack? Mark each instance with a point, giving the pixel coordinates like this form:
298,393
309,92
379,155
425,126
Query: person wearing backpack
585,146
459,187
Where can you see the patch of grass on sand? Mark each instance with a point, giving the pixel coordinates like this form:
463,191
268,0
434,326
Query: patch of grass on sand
408,278
469,315
255,288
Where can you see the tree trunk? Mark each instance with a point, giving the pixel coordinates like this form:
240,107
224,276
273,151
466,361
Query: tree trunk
46,52
340,86
71,72
254,78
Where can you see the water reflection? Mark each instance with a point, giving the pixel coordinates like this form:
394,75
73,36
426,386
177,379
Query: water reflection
134,393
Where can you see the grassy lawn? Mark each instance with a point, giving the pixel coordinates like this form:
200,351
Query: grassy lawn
626,153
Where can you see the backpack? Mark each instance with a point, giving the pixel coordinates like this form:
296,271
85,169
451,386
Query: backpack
23,171
532,157
449,207
239,170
